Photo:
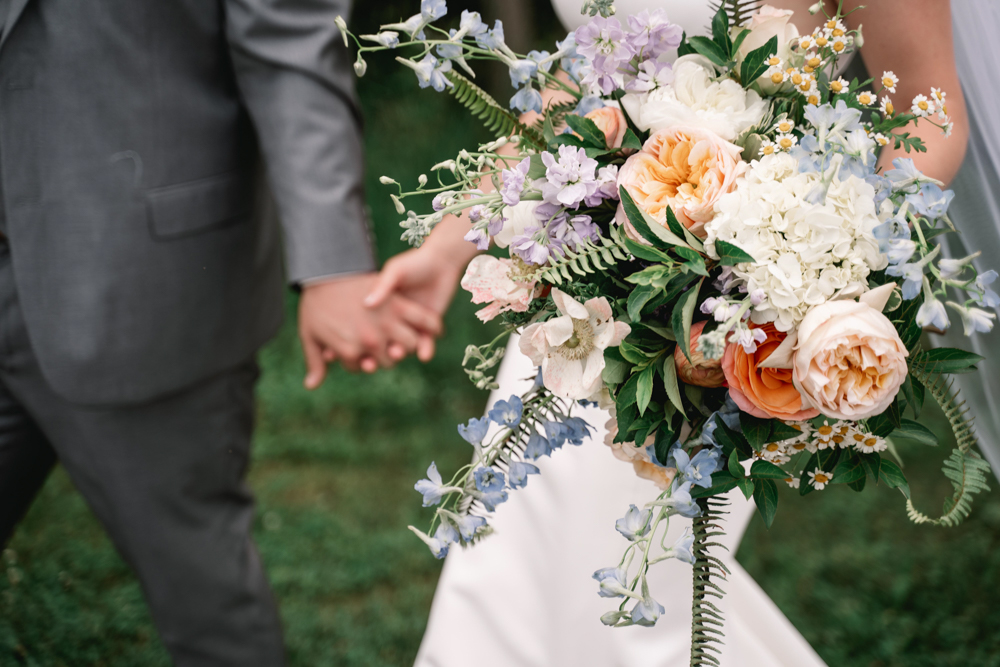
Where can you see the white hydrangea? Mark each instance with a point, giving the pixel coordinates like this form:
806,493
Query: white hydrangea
806,254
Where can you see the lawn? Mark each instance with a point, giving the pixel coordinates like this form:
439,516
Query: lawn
334,471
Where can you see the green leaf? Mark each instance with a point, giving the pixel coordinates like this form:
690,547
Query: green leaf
782,431
722,482
916,431
685,48
731,440
881,424
766,497
720,30
826,459
871,463
848,471
632,354
588,130
710,50
631,141
894,413
914,393
894,478
627,394
568,140
670,383
680,319
738,42
766,470
648,253
755,64
680,230
746,485
663,442
639,297
859,485
756,430
615,368
644,388
536,167
648,228
731,255
944,360
694,261
733,465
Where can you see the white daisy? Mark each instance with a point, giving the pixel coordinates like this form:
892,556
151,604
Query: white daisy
792,482
889,81
922,107
786,141
784,126
871,444
839,85
767,147
885,107
866,99
819,479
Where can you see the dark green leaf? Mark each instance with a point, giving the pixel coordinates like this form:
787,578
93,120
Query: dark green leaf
588,130
709,49
685,49
731,440
720,30
738,42
746,485
568,140
731,255
632,354
848,471
694,261
680,230
615,368
766,470
782,431
894,478
664,441
645,252
894,413
859,485
537,168
733,465
669,370
881,424
871,463
947,360
631,140
627,394
826,459
680,319
916,431
644,389
639,297
755,63
722,481
649,229
914,392
626,414
756,430
766,498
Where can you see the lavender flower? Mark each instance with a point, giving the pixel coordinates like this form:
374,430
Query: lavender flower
652,33
651,74
532,246
602,40
607,186
570,178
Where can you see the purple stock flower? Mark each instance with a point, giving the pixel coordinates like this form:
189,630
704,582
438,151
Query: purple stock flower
603,42
651,75
478,236
652,33
570,178
513,182
607,186
532,246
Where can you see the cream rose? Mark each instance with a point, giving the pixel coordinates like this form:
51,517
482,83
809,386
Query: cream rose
685,168
611,121
849,361
697,99
769,22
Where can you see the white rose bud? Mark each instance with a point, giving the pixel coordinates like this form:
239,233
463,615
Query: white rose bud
360,66
385,180
816,8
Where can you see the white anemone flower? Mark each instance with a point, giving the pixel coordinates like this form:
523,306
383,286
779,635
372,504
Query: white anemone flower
570,348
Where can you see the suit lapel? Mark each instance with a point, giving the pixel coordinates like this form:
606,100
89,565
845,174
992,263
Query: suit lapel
13,14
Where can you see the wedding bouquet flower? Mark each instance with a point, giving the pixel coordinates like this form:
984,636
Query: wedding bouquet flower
708,249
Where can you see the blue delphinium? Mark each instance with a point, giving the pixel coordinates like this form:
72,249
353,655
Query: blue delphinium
647,612
635,523
612,581
507,413
698,469
983,295
576,430
444,537
517,474
475,430
555,432
538,446
491,40
488,479
931,201
682,547
681,501
469,525
432,488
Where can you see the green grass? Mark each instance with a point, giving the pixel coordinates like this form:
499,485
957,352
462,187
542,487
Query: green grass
334,471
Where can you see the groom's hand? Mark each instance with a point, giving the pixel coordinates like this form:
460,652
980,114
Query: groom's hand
426,275
334,325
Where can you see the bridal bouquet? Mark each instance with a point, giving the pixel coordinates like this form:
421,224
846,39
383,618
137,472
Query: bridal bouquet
707,249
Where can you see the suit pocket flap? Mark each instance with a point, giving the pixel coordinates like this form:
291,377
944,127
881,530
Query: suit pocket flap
189,208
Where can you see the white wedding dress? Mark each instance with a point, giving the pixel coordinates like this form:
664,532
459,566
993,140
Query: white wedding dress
524,597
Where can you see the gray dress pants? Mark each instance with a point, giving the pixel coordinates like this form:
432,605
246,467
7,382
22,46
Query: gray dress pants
166,479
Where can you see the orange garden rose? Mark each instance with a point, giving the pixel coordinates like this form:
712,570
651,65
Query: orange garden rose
699,371
763,392
685,168
610,121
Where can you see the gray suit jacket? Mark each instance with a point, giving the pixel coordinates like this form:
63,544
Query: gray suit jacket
131,132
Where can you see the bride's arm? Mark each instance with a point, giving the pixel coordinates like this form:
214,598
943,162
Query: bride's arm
912,39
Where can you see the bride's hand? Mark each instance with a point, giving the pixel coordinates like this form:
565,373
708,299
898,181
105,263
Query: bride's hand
428,275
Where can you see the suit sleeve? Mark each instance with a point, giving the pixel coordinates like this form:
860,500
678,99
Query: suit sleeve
296,79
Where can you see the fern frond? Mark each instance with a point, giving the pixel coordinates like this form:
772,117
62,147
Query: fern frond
588,258
495,118
965,468
706,618
739,11
556,113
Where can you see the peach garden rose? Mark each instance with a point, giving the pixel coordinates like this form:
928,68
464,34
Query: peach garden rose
685,168
699,371
849,362
763,392
611,121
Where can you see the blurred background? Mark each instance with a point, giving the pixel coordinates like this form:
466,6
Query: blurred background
334,471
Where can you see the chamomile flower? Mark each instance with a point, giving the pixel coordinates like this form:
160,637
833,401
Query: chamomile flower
839,44
813,62
885,107
839,85
768,147
921,106
774,61
857,438
820,479
866,99
947,128
796,76
812,97
824,435
880,139
792,482
821,40
938,96
776,75
786,141
807,85
784,126
889,81
775,453
871,444
806,42
803,446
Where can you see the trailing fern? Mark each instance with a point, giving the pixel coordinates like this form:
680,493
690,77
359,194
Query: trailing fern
739,11
706,618
964,467
586,259
495,118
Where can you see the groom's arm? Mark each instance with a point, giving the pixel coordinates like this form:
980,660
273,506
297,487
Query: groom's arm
296,79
